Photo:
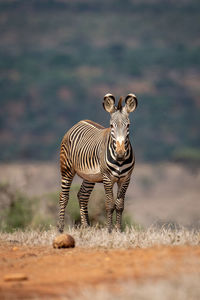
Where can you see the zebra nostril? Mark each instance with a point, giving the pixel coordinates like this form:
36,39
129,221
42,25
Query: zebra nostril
120,155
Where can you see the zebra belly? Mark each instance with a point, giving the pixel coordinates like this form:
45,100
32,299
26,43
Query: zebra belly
90,175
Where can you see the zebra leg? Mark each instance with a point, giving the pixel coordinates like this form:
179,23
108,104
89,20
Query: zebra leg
83,197
119,203
110,205
64,197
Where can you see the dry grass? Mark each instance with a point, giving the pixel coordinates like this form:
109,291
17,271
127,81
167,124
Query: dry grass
94,237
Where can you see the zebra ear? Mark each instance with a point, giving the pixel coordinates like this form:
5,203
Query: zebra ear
109,103
131,103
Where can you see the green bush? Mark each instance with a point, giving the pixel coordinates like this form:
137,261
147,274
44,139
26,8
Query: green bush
19,213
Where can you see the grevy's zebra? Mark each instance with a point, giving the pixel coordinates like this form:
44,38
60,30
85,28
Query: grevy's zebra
99,154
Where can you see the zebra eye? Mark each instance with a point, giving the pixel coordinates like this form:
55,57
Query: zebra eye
111,125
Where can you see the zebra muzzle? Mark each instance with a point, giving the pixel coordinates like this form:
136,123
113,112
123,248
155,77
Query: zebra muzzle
120,149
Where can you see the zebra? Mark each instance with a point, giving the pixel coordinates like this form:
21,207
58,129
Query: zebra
99,154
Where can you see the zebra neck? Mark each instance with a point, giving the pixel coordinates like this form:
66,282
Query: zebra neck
111,158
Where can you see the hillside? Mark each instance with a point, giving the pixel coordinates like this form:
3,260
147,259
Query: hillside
59,58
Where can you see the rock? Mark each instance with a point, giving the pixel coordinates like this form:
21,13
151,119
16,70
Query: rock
15,277
64,241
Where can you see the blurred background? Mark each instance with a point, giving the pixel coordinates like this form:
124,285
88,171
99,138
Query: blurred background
58,58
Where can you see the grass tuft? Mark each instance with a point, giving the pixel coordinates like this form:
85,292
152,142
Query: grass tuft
94,237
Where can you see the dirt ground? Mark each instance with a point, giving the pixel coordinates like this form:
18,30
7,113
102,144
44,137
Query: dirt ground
52,273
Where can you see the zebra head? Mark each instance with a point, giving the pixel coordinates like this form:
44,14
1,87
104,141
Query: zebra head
119,123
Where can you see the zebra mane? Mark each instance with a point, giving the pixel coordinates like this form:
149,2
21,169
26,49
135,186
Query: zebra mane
119,106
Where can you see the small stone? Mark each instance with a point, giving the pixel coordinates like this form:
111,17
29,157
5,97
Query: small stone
64,241
15,277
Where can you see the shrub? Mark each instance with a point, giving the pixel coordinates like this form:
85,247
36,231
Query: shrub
19,211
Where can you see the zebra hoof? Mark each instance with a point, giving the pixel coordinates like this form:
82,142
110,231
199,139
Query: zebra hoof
109,230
